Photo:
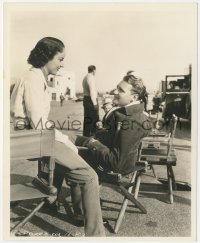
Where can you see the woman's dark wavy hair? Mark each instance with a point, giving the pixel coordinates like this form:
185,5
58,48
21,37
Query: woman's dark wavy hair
44,51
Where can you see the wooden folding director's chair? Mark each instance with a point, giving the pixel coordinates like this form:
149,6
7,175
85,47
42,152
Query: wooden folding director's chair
116,180
157,149
33,145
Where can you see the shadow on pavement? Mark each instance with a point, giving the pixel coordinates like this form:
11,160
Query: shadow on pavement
182,147
39,222
20,179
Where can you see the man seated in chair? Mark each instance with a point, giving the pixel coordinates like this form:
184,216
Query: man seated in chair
117,151
114,150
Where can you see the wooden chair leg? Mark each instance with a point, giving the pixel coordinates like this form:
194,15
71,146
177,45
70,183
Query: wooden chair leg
154,173
137,186
170,184
22,223
121,215
51,171
123,207
173,178
131,198
179,121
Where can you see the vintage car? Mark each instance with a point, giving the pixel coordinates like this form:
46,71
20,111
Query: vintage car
176,92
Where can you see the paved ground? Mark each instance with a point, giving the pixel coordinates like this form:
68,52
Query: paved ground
162,220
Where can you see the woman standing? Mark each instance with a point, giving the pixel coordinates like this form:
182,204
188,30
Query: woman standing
30,102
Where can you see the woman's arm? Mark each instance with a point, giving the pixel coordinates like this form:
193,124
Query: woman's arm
35,102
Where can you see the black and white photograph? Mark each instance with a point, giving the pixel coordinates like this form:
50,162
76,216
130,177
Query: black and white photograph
100,120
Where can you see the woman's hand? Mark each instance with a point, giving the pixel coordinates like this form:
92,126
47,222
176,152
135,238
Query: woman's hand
65,139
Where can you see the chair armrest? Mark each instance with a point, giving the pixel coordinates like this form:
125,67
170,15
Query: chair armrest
111,177
141,165
108,176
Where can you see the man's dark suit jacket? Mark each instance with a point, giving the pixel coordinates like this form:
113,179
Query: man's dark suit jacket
117,151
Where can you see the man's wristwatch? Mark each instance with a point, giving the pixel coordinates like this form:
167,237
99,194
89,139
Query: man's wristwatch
92,140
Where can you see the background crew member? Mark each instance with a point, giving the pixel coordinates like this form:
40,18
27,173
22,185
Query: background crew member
90,103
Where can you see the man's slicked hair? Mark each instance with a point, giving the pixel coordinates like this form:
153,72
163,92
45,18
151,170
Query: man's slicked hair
137,85
130,72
